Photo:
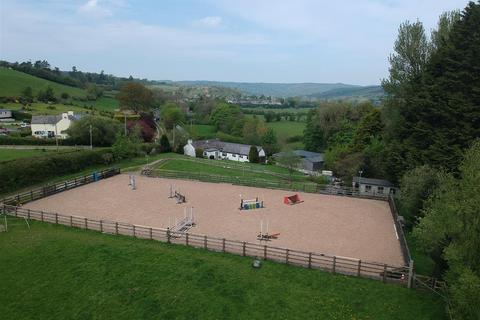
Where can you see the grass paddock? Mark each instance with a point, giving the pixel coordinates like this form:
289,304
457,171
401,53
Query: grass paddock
53,272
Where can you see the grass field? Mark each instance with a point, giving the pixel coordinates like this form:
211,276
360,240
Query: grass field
40,108
202,131
53,272
288,129
13,82
101,104
228,169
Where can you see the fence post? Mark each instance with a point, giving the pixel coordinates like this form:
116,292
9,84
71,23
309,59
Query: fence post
334,263
168,235
310,260
86,224
265,252
286,256
223,245
186,239
134,231
56,218
28,214
150,234
71,221
384,278
410,274
101,226
31,195
244,249
41,214
205,241
116,228
16,208
359,267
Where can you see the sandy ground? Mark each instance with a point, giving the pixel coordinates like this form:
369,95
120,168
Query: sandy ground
351,227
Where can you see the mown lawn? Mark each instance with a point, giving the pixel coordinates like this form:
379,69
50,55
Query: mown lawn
228,168
53,272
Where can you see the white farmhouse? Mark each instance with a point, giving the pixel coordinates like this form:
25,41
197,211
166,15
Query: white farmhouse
51,126
5,115
216,149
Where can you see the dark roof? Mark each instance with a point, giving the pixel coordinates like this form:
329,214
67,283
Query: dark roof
2,110
215,144
306,155
373,182
54,119
46,119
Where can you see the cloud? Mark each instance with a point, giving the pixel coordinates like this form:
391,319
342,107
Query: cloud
208,22
94,9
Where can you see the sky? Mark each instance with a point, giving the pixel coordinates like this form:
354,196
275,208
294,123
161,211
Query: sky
278,41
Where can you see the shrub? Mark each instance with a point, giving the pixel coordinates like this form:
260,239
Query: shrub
199,153
24,172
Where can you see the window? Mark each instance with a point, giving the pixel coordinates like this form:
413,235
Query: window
380,189
368,188
224,154
204,153
241,157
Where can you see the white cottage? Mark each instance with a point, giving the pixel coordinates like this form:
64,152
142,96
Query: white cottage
216,149
51,126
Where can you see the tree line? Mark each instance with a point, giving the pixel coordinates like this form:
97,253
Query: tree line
424,137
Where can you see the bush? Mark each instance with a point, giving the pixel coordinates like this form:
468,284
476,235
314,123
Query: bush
24,172
126,148
294,139
21,116
20,141
199,153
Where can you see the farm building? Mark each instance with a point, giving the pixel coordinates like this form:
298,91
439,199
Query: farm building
216,149
368,186
51,126
5,115
310,161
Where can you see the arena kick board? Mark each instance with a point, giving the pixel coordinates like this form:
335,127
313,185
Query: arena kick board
333,225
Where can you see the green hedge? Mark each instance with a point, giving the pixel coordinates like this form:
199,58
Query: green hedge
28,171
21,141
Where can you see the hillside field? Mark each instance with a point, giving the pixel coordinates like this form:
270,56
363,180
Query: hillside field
13,82
55,272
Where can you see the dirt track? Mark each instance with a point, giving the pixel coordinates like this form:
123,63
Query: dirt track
357,228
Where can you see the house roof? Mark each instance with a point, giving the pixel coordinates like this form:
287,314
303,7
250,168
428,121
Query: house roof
46,119
373,182
215,144
3,110
306,155
54,119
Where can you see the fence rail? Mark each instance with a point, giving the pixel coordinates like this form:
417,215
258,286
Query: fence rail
334,264
48,190
309,187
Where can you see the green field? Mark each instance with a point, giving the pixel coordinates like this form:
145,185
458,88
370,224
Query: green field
13,82
40,108
229,169
202,131
287,129
101,104
53,272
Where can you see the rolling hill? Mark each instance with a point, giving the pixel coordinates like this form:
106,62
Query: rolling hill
284,90
13,82
368,92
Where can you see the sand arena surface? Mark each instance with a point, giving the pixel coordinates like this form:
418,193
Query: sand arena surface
334,225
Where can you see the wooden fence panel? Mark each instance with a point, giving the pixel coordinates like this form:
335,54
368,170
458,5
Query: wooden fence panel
343,265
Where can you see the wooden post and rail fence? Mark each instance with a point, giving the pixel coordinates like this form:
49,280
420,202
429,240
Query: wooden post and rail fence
355,267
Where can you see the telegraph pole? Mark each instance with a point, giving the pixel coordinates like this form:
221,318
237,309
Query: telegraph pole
91,139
